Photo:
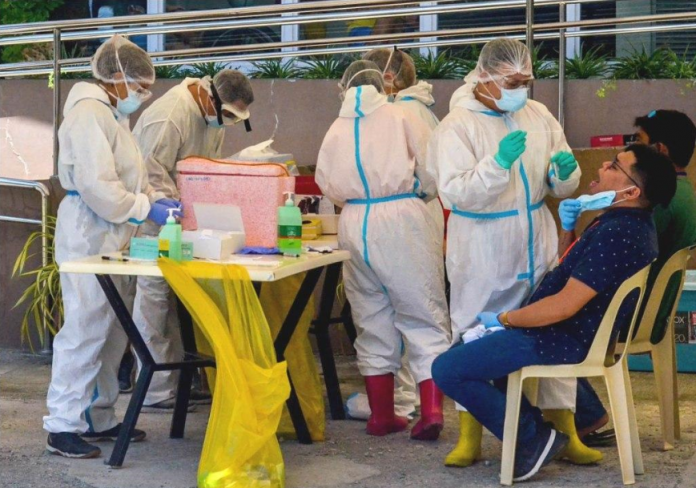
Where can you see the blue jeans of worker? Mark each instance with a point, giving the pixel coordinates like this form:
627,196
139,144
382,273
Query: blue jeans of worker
589,407
465,372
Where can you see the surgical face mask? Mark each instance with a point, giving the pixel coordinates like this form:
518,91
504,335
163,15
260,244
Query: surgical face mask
511,100
601,200
130,104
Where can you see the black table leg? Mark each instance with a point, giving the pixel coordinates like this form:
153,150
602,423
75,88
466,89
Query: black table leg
146,372
183,391
348,324
281,343
321,332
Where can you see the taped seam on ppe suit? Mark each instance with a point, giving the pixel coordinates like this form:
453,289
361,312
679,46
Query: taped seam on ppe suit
169,130
502,238
108,197
370,161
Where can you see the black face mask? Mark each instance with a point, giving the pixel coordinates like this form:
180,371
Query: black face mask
217,101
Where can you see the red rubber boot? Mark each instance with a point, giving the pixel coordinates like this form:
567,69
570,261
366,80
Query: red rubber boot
432,420
380,394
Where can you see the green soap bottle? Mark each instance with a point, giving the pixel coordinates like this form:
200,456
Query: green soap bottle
290,228
170,238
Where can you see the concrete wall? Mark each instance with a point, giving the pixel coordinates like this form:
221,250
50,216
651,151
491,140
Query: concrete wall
306,108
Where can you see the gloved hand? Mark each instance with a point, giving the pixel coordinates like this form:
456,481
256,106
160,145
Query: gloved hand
170,203
568,211
159,212
489,319
511,148
566,164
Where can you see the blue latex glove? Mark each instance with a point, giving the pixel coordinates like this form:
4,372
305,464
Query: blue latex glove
159,213
170,203
568,211
566,164
511,148
489,319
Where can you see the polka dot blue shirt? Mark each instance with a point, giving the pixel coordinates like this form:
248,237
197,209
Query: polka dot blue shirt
614,247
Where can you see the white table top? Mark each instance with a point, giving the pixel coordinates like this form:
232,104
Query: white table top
288,266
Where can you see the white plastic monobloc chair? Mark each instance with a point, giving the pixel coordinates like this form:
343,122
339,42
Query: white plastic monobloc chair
599,362
663,353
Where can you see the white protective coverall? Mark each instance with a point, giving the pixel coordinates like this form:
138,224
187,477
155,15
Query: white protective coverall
169,130
108,198
501,237
371,161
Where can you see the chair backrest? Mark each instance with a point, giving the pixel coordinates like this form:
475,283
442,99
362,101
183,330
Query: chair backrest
598,351
674,265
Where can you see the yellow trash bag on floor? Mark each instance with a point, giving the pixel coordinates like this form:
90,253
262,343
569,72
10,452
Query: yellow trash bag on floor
250,388
276,300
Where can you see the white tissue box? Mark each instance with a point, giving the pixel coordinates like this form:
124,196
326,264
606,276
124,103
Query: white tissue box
214,244
220,233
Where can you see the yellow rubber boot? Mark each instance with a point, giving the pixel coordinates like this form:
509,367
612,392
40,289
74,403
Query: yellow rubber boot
468,448
576,452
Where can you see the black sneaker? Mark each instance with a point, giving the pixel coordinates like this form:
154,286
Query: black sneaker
125,372
112,435
70,445
541,451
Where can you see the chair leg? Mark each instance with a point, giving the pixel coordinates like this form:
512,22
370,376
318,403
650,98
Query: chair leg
663,366
616,388
636,451
512,419
530,388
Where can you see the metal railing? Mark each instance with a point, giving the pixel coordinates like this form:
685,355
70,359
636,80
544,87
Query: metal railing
45,194
305,13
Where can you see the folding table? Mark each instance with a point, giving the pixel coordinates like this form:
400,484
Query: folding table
312,264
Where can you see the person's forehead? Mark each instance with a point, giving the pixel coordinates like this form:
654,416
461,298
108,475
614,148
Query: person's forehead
626,159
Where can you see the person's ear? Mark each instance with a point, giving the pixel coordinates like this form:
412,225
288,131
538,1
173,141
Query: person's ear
662,148
633,194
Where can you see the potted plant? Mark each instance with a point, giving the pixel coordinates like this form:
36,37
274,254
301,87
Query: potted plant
42,298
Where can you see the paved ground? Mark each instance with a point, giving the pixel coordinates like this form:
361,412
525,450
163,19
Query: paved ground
348,459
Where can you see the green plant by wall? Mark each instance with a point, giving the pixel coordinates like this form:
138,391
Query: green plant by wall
172,72
199,70
440,66
589,64
42,297
543,67
23,12
275,69
326,67
641,65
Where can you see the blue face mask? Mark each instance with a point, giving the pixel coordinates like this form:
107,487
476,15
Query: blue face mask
130,104
212,121
600,201
512,100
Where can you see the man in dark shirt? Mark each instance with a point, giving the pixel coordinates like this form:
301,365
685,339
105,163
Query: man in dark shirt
560,321
673,134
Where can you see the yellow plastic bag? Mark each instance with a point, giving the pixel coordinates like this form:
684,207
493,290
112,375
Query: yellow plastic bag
250,388
276,300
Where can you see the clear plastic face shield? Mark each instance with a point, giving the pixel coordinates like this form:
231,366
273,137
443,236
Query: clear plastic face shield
226,114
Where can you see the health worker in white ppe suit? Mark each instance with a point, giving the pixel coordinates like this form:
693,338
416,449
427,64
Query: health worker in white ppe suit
371,163
496,157
108,198
188,120
401,86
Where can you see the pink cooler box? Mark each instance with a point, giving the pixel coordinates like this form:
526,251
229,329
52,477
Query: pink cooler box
256,188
